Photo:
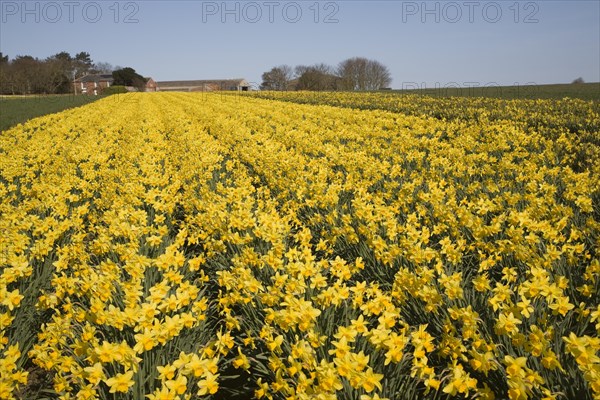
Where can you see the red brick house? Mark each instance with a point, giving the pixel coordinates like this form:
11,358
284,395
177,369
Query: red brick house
92,84
151,85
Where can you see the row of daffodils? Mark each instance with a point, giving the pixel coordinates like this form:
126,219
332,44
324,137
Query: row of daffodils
183,246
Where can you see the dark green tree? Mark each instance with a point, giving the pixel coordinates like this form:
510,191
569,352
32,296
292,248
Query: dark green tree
63,56
82,63
128,77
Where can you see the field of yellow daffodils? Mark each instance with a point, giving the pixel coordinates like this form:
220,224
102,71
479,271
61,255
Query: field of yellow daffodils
301,246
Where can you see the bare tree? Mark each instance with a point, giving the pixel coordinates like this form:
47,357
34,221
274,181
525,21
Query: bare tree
54,77
59,71
278,78
5,75
316,77
103,68
26,74
359,73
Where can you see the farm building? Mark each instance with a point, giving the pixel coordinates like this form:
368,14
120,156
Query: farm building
93,83
204,85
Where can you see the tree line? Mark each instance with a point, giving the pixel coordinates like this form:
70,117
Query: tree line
356,73
55,74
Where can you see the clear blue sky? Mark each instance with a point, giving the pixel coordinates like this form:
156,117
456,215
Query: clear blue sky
426,43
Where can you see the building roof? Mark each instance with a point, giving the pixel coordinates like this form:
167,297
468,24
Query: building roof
222,83
96,78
